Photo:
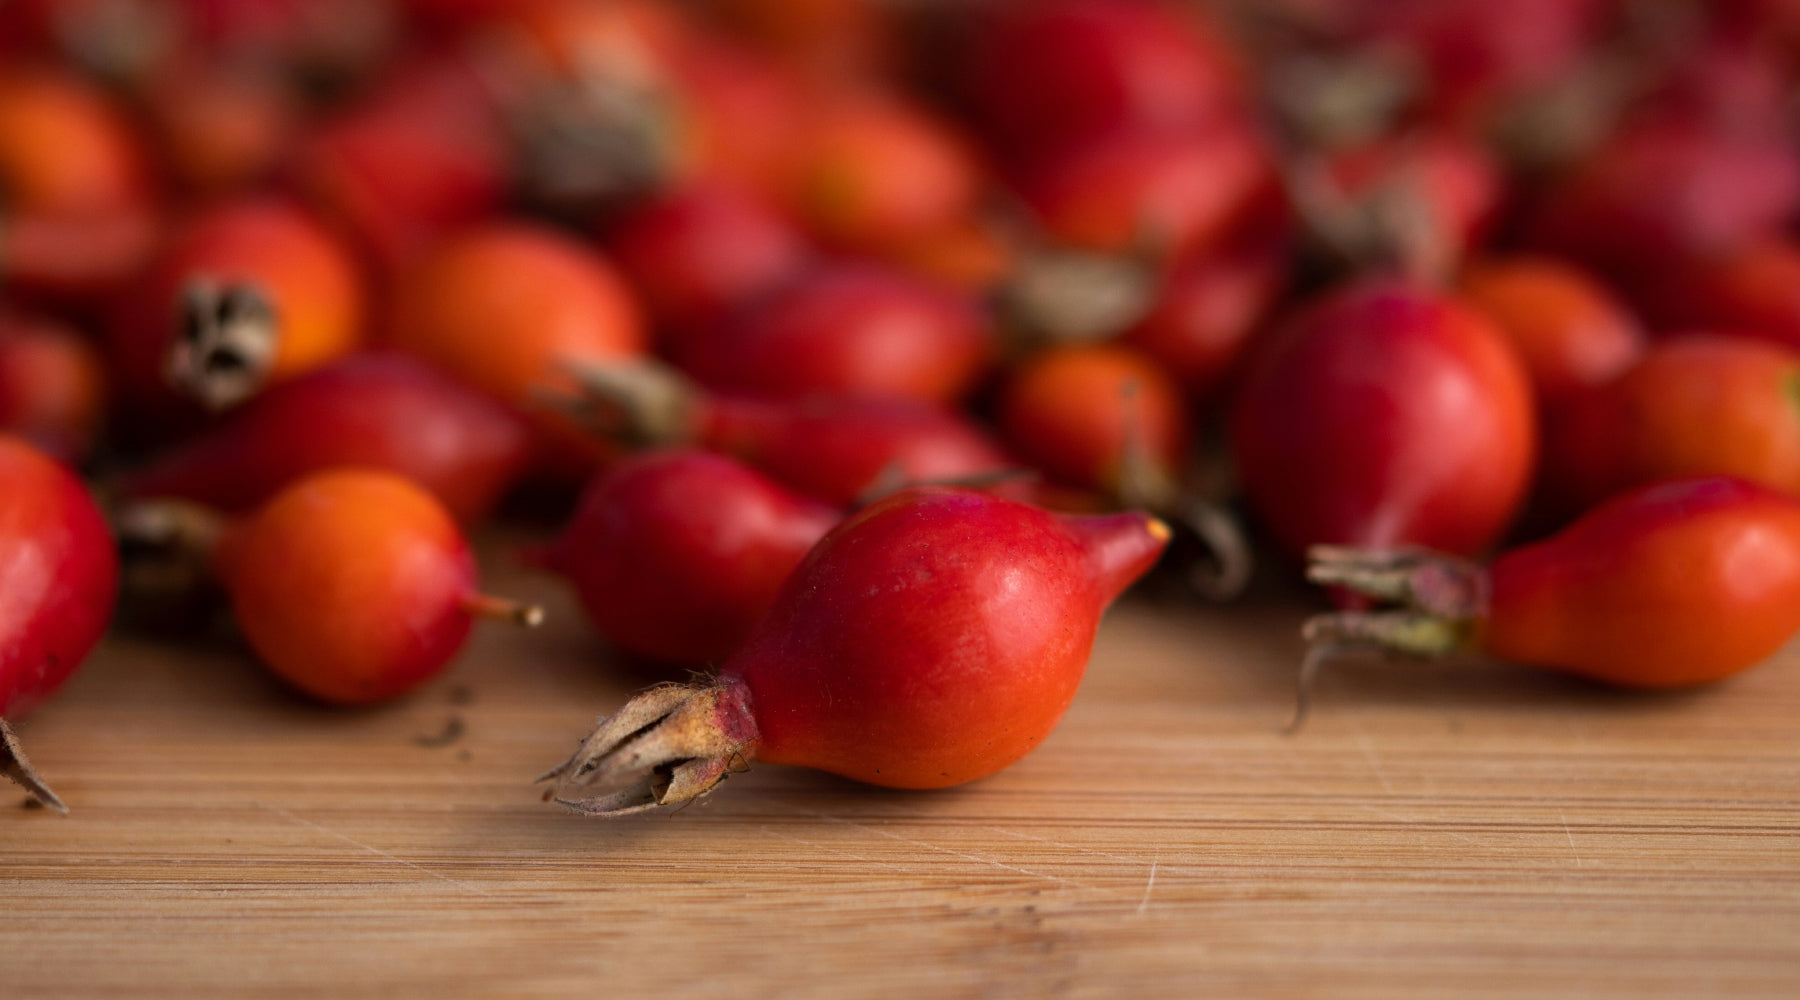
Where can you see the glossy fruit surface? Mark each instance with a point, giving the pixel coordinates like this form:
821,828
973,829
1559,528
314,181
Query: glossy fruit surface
1046,77
846,329
353,586
1568,329
58,576
1679,583
877,172
1386,415
677,554
700,251
1151,192
370,410
1101,417
933,638
1692,406
502,306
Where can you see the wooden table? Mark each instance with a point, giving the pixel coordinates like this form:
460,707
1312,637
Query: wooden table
1468,830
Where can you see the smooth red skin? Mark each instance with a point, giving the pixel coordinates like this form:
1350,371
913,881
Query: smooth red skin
1386,415
500,306
58,576
837,448
1697,405
1048,77
52,387
1659,194
1753,290
1571,332
677,554
1674,584
219,126
873,173
369,410
1174,193
351,585
747,113
936,637
1204,317
309,276
697,253
846,329
416,159
1073,411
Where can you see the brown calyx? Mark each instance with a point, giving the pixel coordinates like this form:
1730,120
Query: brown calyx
225,345
668,745
1056,296
1435,604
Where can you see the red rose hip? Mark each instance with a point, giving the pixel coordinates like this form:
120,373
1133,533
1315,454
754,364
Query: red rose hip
932,639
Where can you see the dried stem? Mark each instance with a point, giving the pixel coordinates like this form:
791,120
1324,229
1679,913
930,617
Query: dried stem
503,609
15,765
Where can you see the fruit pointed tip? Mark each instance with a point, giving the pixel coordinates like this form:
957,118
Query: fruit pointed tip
1158,529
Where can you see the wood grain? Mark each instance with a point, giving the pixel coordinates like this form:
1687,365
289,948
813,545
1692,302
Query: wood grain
1469,830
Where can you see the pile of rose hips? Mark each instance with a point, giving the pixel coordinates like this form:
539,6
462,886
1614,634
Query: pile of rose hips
868,325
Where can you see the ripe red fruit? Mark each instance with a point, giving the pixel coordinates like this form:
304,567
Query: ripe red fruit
1697,405
847,329
247,293
1569,330
875,172
74,183
420,156
677,554
1100,417
354,586
506,306
58,579
373,411
1386,415
1753,289
1675,584
1208,309
1663,193
839,449
1047,77
52,387
700,251
933,638
1166,193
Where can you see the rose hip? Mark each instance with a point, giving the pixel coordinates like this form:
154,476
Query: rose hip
676,554
58,577
1386,415
247,293
371,410
934,638
703,250
1672,585
354,586
838,449
1568,329
1697,405
846,329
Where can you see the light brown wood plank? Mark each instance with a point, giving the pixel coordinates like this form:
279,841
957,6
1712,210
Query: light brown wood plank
1469,830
